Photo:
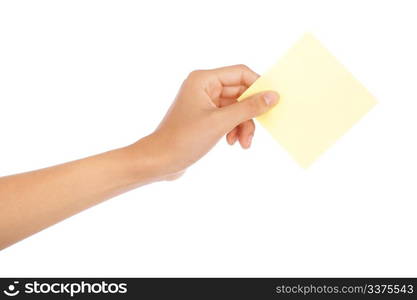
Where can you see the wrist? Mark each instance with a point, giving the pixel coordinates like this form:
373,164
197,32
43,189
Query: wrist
150,161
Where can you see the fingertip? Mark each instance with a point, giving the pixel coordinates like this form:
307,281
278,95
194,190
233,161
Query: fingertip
249,140
246,141
231,137
271,98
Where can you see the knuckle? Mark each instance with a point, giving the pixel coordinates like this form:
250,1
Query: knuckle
242,66
195,74
254,106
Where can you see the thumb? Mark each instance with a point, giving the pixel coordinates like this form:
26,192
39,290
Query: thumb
251,107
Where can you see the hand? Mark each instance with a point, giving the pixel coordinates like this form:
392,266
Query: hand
205,109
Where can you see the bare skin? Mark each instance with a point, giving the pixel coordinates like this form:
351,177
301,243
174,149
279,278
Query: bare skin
204,110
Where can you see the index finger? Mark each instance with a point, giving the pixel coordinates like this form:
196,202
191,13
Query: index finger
235,75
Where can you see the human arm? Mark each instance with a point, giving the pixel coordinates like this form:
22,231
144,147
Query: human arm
204,110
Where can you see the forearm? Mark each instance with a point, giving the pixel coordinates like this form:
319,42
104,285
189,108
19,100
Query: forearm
35,200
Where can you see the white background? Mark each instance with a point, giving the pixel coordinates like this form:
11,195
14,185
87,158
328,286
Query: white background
82,77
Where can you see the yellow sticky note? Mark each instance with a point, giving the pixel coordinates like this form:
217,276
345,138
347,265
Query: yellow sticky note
319,100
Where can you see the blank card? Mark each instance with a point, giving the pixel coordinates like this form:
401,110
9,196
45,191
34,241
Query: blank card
319,100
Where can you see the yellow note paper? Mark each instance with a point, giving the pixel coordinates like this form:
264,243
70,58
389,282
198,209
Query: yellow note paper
319,100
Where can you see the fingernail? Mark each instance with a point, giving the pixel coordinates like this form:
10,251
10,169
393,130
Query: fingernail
250,137
270,98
